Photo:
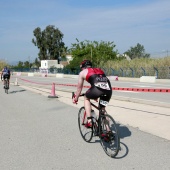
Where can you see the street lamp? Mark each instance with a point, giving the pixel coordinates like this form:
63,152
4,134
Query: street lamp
29,61
91,54
166,51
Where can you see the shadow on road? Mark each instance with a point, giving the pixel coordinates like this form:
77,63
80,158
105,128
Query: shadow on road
123,131
16,91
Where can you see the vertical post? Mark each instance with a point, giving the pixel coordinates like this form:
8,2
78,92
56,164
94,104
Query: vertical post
143,71
29,62
167,53
156,72
132,72
91,54
112,71
122,72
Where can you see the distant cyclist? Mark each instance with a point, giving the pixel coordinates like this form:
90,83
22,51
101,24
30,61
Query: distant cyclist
5,74
100,87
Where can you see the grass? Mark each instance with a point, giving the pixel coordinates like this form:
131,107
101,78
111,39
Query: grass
139,67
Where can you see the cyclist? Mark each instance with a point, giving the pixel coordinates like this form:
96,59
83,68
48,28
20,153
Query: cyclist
5,74
100,87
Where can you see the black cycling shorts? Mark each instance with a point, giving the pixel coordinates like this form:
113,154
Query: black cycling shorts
6,76
94,93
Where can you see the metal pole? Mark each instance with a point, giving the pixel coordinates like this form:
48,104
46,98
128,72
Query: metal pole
29,61
91,54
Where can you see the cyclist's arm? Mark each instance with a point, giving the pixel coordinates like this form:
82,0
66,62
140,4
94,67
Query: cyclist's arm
1,74
9,74
79,85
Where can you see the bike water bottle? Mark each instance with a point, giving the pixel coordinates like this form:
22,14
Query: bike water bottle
93,114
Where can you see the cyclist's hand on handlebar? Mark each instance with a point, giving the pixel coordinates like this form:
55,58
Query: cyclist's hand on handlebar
74,99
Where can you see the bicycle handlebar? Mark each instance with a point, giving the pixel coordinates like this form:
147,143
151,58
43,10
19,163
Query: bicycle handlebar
79,96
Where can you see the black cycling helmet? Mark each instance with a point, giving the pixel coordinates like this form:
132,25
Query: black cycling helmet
85,64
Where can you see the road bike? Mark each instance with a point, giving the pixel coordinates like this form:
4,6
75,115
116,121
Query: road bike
6,85
103,126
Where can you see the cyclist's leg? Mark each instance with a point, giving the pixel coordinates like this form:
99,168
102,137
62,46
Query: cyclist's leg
4,76
87,106
106,97
92,93
8,80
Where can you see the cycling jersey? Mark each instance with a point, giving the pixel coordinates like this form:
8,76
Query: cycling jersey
96,77
6,72
100,85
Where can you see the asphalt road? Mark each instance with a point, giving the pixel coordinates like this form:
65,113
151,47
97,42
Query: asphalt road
40,133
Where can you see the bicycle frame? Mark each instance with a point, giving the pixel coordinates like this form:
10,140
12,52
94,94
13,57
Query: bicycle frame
104,127
83,122
97,107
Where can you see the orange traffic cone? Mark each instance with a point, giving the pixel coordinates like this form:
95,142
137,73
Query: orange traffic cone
53,95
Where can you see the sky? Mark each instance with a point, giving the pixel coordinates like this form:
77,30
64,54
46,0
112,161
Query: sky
124,22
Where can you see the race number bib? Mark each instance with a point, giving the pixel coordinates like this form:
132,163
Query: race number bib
104,103
102,85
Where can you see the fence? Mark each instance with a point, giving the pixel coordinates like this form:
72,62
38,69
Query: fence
159,73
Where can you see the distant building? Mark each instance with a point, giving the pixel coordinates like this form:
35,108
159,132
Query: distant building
47,64
69,57
126,56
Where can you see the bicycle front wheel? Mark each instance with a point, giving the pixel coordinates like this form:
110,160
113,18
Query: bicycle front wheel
109,136
6,91
86,133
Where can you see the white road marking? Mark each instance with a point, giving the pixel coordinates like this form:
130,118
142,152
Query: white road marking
126,91
141,86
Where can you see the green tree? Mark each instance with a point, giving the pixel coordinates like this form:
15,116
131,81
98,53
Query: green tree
37,63
20,64
3,64
137,52
26,64
97,52
49,42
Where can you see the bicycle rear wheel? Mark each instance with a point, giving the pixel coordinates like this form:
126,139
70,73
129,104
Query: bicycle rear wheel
86,133
6,87
109,136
